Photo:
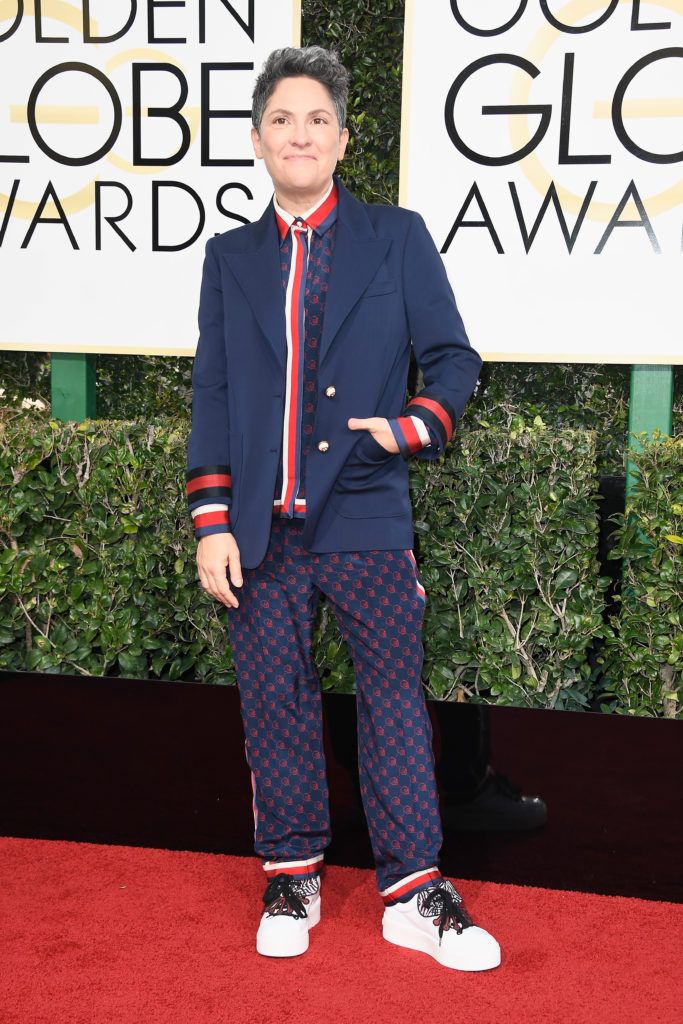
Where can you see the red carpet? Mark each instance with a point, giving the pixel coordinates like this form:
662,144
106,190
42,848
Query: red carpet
115,934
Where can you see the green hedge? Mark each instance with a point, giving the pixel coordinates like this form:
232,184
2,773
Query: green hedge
506,527
98,572
98,561
644,656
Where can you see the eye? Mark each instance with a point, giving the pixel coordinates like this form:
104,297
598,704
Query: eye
280,119
320,120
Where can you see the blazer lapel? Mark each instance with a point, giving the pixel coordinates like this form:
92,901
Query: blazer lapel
258,273
358,253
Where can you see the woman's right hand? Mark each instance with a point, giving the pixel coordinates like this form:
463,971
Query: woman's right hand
215,553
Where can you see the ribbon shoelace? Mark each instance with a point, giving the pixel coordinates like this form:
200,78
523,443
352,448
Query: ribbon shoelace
281,897
451,911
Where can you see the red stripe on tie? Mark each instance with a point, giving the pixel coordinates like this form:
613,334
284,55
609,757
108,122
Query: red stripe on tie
210,480
299,506
413,439
294,379
438,411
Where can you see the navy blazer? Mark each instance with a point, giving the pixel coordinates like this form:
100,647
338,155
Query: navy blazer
388,287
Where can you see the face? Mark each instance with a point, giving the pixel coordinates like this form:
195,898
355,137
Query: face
300,140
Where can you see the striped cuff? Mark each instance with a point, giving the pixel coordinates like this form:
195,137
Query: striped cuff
436,411
308,868
405,889
208,519
411,433
209,494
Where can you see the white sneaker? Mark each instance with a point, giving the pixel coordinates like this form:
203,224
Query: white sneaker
436,922
292,906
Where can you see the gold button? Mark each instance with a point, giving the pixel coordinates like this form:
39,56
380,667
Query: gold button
331,391
323,446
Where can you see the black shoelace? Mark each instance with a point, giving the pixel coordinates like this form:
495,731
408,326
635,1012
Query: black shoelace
281,896
452,913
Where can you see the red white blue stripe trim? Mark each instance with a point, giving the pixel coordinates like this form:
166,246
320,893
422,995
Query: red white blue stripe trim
299,505
287,502
254,808
406,888
209,493
411,434
436,411
294,306
420,589
300,868
210,515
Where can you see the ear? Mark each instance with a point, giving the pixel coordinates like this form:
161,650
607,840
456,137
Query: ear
256,143
343,139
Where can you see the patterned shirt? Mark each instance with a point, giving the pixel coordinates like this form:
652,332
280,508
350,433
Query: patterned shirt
306,247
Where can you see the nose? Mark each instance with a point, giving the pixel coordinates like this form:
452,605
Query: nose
300,136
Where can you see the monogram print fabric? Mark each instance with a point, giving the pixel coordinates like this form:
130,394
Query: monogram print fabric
378,600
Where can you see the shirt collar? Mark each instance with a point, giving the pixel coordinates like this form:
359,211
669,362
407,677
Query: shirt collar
319,216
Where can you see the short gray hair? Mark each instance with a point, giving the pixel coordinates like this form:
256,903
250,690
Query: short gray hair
293,62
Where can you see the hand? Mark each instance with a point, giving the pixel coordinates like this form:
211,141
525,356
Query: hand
214,553
379,427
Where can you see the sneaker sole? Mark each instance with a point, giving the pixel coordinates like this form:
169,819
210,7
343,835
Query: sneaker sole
289,945
400,935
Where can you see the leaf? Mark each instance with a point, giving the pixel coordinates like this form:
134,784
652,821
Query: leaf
565,578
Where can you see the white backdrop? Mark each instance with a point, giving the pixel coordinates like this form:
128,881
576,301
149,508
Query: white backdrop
71,280
617,296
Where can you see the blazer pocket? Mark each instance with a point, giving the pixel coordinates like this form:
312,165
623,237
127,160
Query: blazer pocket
369,449
371,489
380,288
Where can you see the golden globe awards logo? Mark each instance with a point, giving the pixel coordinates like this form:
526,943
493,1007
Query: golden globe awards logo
124,145
542,141
639,111
100,94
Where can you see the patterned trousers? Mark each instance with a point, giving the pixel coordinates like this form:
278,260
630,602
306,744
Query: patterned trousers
379,602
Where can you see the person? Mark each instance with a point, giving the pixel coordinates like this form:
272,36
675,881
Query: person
297,484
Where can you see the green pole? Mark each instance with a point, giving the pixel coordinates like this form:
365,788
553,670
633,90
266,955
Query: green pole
73,385
650,408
